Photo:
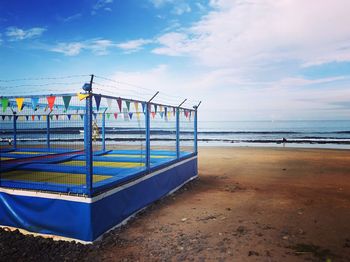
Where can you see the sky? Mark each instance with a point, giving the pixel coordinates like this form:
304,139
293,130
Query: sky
244,59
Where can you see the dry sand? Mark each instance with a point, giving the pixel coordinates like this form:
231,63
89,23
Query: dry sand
249,204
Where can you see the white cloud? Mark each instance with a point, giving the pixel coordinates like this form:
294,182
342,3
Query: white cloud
255,32
97,46
102,4
134,45
179,7
226,96
16,34
68,49
160,3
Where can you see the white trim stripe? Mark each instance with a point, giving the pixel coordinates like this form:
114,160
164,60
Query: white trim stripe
84,199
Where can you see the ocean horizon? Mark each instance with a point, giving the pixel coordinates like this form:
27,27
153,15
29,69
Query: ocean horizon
286,133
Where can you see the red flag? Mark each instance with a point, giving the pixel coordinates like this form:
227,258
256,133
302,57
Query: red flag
115,115
153,114
51,101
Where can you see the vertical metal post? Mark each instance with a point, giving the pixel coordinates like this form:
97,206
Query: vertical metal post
195,131
14,130
177,132
48,130
88,138
104,131
148,137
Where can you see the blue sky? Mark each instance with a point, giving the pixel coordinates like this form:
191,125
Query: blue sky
247,60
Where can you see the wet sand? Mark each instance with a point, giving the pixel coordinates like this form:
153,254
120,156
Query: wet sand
249,204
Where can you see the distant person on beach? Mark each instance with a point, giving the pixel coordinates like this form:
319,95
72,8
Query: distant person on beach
284,141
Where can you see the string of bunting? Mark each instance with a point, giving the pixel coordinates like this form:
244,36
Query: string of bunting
165,112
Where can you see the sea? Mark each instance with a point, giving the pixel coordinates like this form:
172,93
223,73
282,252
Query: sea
311,134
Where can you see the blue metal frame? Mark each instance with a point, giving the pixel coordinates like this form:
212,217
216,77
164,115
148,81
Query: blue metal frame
88,118
177,133
88,144
48,130
14,130
104,130
148,138
195,132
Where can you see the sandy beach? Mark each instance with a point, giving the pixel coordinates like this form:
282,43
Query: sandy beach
249,204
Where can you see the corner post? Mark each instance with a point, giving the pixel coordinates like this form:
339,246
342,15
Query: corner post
104,130
195,131
14,130
148,137
88,136
177,132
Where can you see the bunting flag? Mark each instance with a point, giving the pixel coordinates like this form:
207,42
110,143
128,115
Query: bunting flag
69,116
174,111
143,106
169,114
165,111
51,101
44,118
119,101
3,117
9,117
27,118
153,114
66,101
138,116
4,103
160,108
108,115
161,114
127,105
35,101
130,115
82,96
109,103
186,113
51,117
81,116
136,104
39,117
95,115
155,108
115,115
98,101
19,102
57,117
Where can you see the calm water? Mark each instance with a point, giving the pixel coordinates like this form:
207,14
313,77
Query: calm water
328,134
331,134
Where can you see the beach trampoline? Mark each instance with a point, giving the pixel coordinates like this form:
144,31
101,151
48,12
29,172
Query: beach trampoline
76,165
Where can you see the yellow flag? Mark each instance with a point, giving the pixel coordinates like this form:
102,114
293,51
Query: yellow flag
82,96
19,101
138,116
44,118
136,104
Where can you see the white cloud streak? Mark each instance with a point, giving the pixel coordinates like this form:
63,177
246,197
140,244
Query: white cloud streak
96,46
134,45
16,34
